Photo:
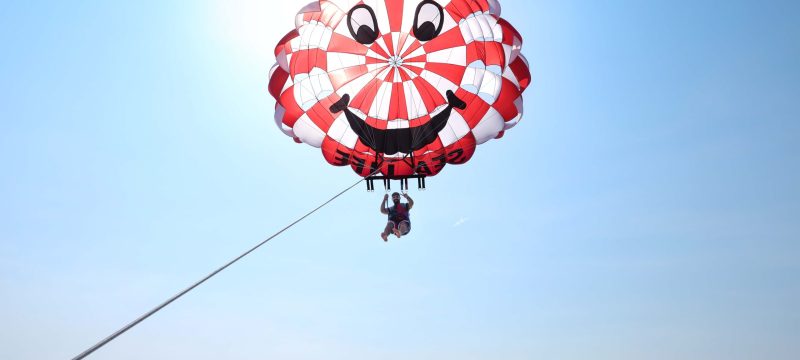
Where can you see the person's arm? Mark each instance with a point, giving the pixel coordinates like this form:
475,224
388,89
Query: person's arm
383,205
410,201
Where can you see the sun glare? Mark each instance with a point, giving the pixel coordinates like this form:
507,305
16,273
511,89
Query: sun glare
253,26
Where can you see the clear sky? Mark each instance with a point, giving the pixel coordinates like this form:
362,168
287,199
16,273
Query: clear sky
645,208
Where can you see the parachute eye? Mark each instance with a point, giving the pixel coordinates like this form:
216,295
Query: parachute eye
363,24
428,20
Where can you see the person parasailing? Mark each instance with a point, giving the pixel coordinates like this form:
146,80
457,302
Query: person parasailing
399,222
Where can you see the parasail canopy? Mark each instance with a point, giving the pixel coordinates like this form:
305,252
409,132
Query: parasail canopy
402,87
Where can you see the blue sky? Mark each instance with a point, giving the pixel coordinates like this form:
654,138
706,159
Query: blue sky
645,208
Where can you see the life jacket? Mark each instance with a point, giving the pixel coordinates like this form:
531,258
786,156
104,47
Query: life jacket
399,212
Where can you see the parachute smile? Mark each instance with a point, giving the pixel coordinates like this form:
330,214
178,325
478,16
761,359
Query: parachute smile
405,140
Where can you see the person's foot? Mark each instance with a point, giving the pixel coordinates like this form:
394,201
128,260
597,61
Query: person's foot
396,232
385,237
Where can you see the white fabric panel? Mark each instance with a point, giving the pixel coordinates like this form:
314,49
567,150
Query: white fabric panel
488,128
508,74
313,36
304,92
494,8
513,122
288,60
289,83
338,61
490,87
517,43
340,131
455,56
280,111
414,103
473,76
374,65
380,107
518,103
456,129
490,29
407,44
381,14
311,7
312,87
354,86
438,82
382,44
308,132
508,54
420,65
470,29
398,124
395,43
496,30
449,23
481,27
384,73
408,72
417,52
272,70
342,29
409,7
375,68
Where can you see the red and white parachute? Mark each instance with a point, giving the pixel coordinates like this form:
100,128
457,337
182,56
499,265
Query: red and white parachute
404,86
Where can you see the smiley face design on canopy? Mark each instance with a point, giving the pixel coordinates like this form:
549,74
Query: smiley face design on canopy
399,86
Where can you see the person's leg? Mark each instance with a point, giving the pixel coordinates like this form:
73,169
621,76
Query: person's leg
404,227
385,234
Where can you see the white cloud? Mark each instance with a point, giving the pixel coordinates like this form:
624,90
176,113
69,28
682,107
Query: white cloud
460,222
